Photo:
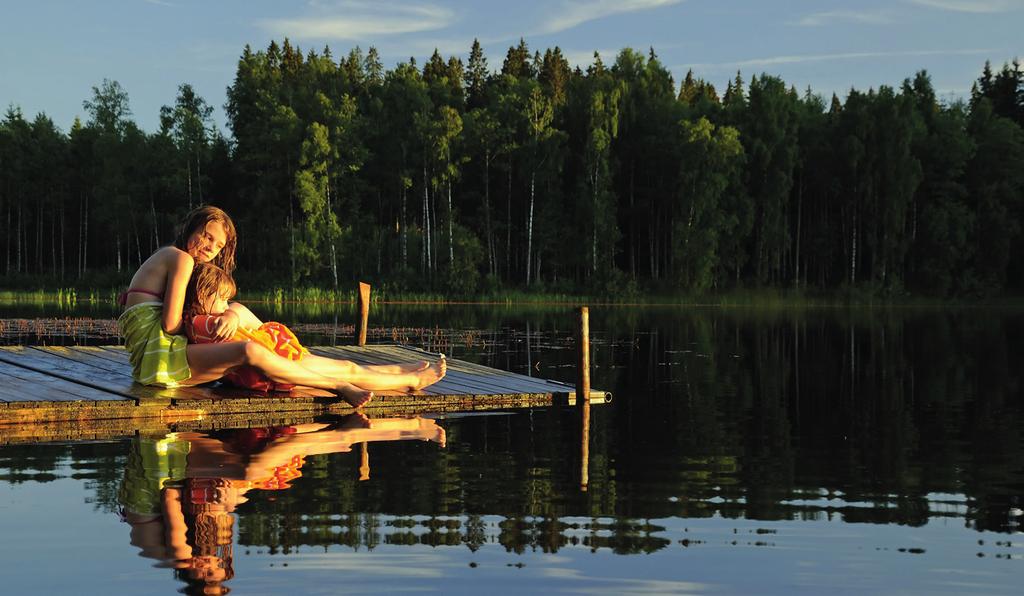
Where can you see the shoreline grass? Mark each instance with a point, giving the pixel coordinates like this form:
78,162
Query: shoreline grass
753,298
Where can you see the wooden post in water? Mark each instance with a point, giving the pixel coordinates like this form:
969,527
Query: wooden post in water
364,462
363,302
583,394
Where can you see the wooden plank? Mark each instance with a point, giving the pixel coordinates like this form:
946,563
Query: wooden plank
105,369
117,360
73,371
413,353
463,383
40,386
117,352
505,384
466,383
111,368
29,385
9,386
481,384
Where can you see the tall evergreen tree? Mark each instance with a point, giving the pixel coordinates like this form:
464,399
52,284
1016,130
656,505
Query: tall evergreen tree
769,132
476,75
517,62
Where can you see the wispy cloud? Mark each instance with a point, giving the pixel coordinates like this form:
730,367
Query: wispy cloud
976,6
776,60
353,20
845,16
159,2
572,13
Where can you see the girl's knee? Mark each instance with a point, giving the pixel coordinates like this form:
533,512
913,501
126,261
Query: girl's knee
254,353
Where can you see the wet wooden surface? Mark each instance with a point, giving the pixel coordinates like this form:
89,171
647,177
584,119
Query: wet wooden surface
53,383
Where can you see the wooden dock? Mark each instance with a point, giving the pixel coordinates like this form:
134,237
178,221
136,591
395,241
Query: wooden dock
86,392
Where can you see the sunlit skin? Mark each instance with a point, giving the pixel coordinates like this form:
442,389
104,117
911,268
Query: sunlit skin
353,382
167,272
362,378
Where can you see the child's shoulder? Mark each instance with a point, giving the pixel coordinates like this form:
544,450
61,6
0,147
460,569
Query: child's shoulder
173,256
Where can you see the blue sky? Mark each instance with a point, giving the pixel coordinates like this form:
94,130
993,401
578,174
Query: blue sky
52,52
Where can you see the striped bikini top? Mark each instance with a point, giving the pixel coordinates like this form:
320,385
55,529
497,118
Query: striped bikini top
122,299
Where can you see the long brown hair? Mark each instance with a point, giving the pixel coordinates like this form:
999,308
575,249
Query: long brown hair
207,281
196,220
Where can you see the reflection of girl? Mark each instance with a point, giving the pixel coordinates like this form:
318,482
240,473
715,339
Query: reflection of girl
160,354
170,519
180,491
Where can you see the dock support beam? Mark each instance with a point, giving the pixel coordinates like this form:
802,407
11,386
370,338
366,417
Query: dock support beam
583,394
363,303
364,462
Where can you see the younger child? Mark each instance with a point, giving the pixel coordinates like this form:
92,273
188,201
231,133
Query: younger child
206,299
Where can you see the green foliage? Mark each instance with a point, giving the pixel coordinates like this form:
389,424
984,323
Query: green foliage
711,157
540,176
997,181
769,130
462,278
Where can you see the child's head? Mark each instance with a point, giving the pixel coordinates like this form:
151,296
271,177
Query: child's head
208,234
208,290
211,536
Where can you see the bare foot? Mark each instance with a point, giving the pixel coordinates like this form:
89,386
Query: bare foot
432,374
355,396
431,431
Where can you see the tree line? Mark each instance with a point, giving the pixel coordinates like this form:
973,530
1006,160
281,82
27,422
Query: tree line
460,178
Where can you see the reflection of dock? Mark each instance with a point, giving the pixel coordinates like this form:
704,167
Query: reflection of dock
92,388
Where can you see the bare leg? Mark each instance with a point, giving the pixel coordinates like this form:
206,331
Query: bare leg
398,368
210,362
248,320
367,378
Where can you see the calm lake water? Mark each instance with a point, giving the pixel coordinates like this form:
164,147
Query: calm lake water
745,451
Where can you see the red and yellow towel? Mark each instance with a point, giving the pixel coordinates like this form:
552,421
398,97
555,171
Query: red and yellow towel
273,336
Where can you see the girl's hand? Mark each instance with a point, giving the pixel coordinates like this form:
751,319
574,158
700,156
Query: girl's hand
225,325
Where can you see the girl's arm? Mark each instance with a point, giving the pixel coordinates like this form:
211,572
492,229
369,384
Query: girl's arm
225,325
245,317
179,270
172,507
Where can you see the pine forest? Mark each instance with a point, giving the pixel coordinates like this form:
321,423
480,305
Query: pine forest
468,179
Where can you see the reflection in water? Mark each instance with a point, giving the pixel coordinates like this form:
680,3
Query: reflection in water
180,490
877,433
